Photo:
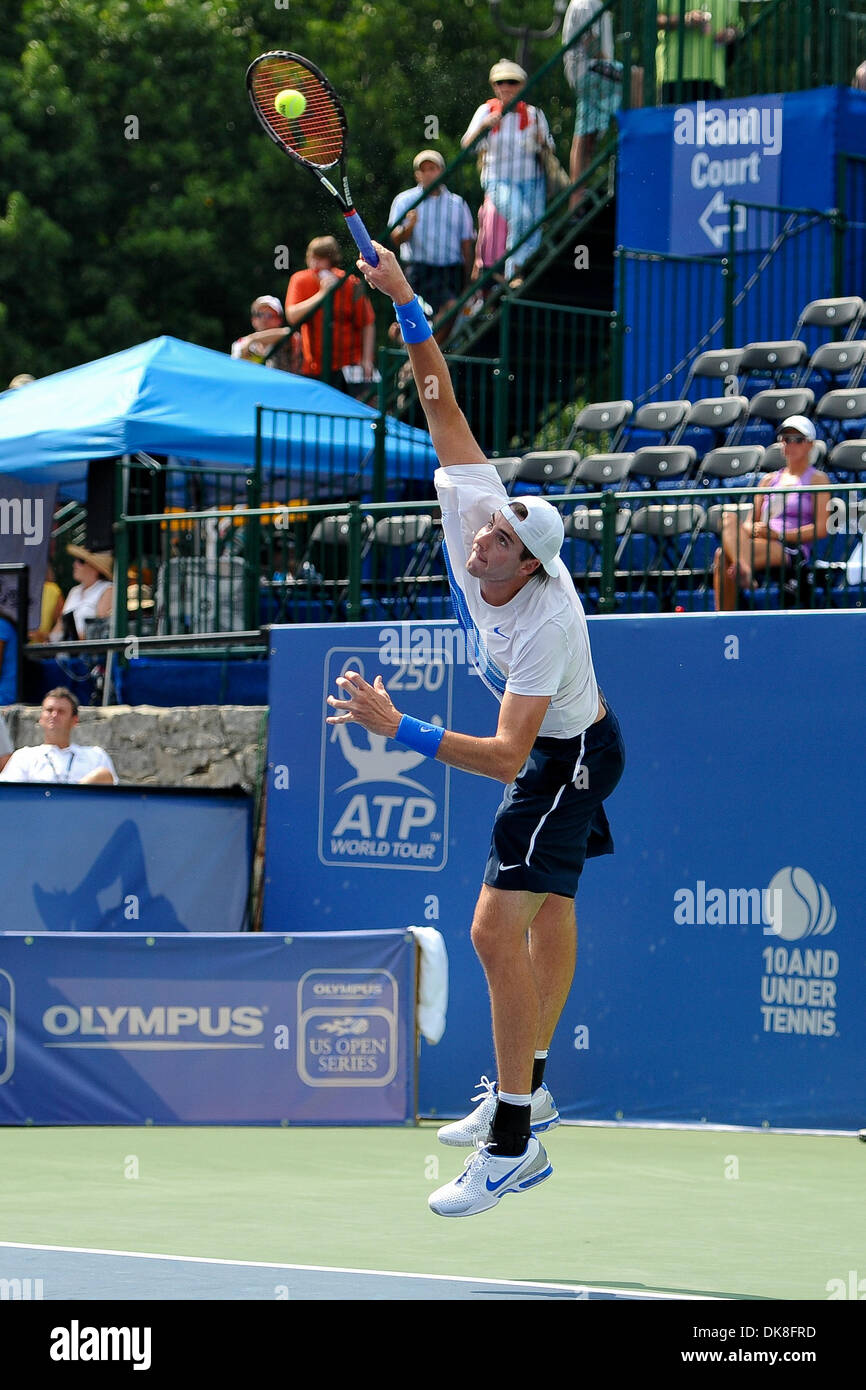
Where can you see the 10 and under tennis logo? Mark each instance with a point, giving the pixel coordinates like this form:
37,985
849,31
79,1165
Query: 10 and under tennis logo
382,805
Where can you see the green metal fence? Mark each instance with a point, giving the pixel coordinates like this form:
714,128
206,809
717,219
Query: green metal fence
643,551
679,306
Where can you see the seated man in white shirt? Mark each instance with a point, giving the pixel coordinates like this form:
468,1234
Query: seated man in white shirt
58,759
5,744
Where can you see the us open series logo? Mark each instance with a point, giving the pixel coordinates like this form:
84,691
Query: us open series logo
382,805
348,1027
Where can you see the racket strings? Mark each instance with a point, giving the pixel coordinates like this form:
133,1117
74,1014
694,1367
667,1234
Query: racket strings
318,135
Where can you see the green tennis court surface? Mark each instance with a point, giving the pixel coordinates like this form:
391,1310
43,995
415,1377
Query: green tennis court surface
312,1213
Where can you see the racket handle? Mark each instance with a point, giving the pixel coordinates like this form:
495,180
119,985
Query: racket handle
362,237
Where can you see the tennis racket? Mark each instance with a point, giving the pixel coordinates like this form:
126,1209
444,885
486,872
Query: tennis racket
317,140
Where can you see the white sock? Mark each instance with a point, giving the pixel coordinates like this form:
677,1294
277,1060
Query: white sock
513,1099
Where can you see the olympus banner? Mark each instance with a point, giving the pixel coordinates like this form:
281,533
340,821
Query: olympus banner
116,1029
721,955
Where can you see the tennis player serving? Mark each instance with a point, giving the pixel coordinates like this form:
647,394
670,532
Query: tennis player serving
557,746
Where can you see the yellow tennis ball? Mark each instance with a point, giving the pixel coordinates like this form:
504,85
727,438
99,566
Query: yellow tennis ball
290,104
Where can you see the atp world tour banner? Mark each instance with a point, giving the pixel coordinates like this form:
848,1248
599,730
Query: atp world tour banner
722,956
104,1029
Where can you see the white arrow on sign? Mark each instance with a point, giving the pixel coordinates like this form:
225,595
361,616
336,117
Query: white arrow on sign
719,231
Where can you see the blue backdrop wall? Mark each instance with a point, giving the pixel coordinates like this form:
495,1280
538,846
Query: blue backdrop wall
678,171
722,956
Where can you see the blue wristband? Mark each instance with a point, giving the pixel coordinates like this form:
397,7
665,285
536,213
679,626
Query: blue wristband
413,324
424,738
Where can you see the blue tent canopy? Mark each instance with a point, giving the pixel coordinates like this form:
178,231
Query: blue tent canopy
173,398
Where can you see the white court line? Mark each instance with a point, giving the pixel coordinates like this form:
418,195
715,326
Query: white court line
348,1269
696,1126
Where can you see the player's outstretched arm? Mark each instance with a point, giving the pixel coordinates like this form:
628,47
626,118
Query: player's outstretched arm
500,757
452,438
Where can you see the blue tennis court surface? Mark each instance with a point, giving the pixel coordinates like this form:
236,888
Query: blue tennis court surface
51,1272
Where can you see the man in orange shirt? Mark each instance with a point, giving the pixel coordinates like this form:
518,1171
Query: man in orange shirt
354,329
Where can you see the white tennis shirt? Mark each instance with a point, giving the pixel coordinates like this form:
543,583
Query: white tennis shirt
537,643
48,763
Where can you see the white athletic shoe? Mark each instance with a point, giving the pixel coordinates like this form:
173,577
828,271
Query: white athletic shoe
475,1128
486,1179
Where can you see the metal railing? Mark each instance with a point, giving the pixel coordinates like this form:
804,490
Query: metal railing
635,550
753,293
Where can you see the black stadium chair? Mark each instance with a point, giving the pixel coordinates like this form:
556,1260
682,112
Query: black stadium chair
600,419
507,469
318,592
728,465
772,407
398,558
581,549
663,418
717,364
833,361
657,465
653,557
829,316
840,412
849,457
718,414
600,472
771,363
545,468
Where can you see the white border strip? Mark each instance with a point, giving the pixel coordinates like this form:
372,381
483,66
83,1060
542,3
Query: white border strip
698,1126
575,1289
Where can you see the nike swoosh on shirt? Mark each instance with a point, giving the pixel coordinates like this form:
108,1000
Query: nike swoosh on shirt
499,632
492,1186
503,868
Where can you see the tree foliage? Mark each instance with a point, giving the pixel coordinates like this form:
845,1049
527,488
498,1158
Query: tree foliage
137,194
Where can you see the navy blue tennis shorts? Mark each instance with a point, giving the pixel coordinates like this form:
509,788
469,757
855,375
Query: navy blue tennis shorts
552,816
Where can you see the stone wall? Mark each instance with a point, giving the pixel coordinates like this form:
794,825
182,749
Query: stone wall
195,746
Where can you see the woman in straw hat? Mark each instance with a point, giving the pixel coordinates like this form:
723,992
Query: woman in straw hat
92,595
512,175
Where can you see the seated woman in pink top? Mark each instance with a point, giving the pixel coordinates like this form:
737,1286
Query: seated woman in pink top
782,529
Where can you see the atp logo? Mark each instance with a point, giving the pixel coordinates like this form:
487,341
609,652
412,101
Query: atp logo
802,907
382,805
7,1026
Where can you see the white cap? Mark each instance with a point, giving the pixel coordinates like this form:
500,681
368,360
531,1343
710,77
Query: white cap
428,157
506,71
800,424
271,301
542,532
